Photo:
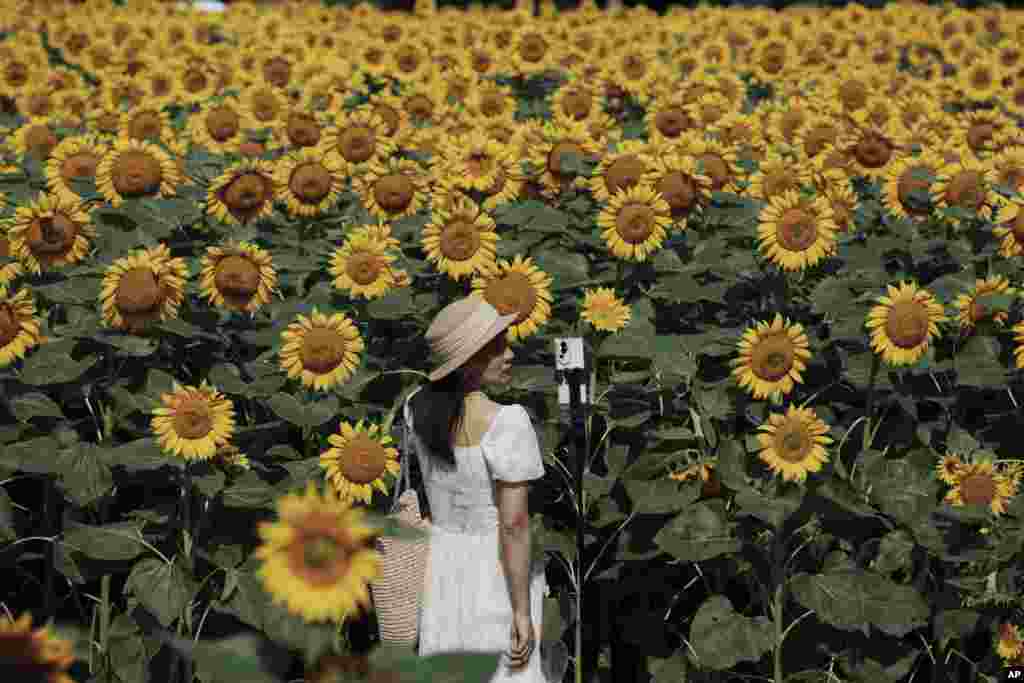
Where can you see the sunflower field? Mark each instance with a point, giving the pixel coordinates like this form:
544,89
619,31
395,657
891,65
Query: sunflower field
792,241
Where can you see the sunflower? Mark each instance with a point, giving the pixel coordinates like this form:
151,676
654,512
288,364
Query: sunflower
622,169
194,421
966,184
531,52
981,80
604,310
243,193
147,123
492,102
36,101
476,162
772,358
518,287
36,137
709,111
743,132
144,286
576,100
218,126
983,131
299,127
870,148
907,187
321,350
772,61
1008,168
556,140
776,175
393,188
409,62
904,323
358,461
949,468
794,444
34,655
237,277
838,191
796,232
820,130
635,221
133,168
1009,645
636,69
261,105
359,137
19,326
18,74
666,119
714,159
50,232
460,238
194,82
315,559
979,483
362,266
75,158
1011,228
309,180
676,179
971,308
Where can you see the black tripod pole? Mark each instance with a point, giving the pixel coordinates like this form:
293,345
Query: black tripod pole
581,446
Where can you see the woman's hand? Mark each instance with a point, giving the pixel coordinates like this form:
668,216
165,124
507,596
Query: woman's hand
523,640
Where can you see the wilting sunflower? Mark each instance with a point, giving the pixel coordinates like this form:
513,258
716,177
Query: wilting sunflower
243,193
393,188
357,463
362,265
622,169
133,168
1009,643
194,421
634,222
949,468
321,350
711,485
604,310
309,180
903,323
75,158
971,308
237,277
794,444
460,238
19,327
218,126
517,287
316,559
145,286
772,356
979,483
966,184
33,655
1011,228
51,232
796,232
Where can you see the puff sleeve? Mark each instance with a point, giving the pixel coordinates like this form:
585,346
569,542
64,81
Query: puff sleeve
511,449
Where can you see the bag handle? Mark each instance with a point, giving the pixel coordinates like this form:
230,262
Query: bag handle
407,452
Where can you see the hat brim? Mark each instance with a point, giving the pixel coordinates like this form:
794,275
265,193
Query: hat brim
496,328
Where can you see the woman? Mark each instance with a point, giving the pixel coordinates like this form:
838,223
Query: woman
476,458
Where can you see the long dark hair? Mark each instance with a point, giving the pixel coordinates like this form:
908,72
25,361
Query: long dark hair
439,407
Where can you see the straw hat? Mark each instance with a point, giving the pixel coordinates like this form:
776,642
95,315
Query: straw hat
462,328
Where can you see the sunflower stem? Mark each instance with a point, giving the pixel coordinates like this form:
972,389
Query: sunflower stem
868,436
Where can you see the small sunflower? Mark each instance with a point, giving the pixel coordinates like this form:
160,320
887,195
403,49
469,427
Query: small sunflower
75,158
794,444
709,110
194,421
393,188
622,169
460,238
1011,227
871,148
556,140
772,358
299,127
666,119
359,137
576,100
218,126
532,51
145,286
309,180
904,323
36,137
237,277
133,168
19,326
517,287
822,128
908,184
34,655
1008,167
262,105
321,350
147,123
796,232
315,559
51,232
243,193
194,82
358,461
711,485
634,222
776,175
362,265
476,162
843,200
676,179
603,309
979,483
1009,644
948,469
971,308
966,184
983,130
981,80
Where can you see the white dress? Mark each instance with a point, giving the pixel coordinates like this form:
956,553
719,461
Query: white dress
465,604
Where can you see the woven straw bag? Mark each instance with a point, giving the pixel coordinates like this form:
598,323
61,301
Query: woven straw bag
398,591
